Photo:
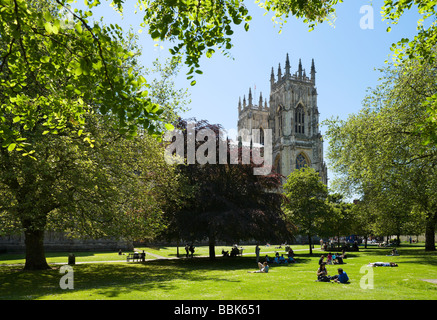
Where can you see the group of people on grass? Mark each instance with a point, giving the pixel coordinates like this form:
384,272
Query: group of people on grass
335,258
322,272
322,275
279,259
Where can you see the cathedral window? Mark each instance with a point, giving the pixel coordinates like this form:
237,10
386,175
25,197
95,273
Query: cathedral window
299,119
301,161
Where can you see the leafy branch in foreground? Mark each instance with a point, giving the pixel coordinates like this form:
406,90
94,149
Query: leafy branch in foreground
57,67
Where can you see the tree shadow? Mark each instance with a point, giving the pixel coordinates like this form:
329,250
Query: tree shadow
113,280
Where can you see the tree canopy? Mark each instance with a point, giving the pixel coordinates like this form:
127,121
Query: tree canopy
56,68
50,41
379,154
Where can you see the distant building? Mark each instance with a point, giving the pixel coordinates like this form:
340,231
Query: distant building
293,116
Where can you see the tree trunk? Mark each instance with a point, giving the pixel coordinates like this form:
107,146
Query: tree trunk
212,248
310,243
430,232
35,255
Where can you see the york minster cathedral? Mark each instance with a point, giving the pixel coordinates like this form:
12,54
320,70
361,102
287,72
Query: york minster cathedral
292,115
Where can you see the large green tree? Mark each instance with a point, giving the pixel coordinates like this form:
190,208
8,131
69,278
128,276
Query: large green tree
305,202
379,153
116,189
89,178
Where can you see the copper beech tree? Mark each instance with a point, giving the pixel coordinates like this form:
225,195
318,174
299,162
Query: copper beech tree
226,201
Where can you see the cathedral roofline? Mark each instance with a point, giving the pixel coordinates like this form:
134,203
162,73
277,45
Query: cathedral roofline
299,75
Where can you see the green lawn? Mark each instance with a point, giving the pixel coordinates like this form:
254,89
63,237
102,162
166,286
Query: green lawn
223,279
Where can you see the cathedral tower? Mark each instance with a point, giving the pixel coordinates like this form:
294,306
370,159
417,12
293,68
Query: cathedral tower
293,116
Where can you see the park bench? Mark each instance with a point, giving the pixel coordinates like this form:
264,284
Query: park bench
236,252
136,256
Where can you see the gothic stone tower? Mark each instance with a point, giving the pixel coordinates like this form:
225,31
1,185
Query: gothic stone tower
293,116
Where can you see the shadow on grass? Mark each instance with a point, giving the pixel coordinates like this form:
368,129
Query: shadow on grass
114,280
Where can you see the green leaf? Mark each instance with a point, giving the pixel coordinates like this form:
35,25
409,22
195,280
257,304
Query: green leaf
45,59
169,126
209,53
12,146
48,27
78,27
16,119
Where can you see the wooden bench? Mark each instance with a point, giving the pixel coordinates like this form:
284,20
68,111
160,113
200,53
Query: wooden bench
136,256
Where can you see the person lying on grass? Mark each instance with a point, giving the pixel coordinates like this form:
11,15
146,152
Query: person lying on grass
263,268
383,264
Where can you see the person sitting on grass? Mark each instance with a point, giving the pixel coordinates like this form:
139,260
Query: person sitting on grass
394,252
329,258
341,277
321,259
339,260
322,273
263,268
282,259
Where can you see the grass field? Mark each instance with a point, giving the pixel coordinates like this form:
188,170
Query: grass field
111,277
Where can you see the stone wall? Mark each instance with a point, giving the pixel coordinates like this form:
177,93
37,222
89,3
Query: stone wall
56,241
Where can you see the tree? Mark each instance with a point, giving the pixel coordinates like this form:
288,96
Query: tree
380,154
116,189
363,219
420,50
305,204
226,201
337,221
89,177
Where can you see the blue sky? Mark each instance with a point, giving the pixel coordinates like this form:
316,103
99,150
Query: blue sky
345,58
